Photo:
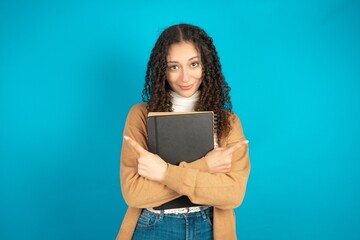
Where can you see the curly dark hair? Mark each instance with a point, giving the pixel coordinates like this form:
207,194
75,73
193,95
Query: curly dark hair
214,95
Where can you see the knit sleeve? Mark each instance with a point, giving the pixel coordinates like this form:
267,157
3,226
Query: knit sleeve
138,191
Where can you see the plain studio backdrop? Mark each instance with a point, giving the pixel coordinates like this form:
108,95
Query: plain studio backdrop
71,70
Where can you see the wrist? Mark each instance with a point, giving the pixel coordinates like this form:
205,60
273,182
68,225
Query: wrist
163,175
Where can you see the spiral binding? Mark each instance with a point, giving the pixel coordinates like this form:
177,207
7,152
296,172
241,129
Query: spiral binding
215,123
216,144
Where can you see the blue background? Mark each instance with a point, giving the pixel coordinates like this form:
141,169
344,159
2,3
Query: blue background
70,71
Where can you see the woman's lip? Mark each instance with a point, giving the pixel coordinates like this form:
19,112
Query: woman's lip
188,87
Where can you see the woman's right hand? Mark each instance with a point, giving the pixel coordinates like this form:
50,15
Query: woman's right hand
219,159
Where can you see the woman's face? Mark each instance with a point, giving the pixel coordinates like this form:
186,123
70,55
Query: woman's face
184,68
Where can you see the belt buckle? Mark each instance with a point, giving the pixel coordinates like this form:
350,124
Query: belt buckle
182,211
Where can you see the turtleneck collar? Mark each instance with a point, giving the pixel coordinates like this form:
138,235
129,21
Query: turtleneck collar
183,104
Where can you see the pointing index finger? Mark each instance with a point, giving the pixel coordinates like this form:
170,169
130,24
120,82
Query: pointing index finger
137,147
237,146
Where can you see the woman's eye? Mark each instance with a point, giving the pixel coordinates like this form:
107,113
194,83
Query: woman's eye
194,64
173,68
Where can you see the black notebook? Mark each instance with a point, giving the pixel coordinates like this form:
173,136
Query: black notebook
178,137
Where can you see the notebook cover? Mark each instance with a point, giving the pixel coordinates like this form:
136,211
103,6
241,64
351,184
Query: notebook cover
178,137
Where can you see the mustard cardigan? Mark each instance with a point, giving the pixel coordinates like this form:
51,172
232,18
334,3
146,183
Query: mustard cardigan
222,191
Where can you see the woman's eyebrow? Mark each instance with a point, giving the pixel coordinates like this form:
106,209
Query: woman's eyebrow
188,60
193,58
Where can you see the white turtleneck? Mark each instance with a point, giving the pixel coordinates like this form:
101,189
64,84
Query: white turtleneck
183,104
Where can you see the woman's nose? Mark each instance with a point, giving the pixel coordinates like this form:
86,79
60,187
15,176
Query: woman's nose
185,76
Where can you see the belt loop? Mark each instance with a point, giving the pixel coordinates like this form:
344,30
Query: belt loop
203,213
161,214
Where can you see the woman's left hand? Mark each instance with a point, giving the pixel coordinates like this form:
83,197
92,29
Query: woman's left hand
150,165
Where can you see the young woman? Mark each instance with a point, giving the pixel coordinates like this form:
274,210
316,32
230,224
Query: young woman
183,74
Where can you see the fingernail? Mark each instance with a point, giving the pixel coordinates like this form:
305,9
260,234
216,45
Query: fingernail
246,141
126,137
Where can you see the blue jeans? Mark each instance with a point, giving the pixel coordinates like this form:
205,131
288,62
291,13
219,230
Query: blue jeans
161,226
